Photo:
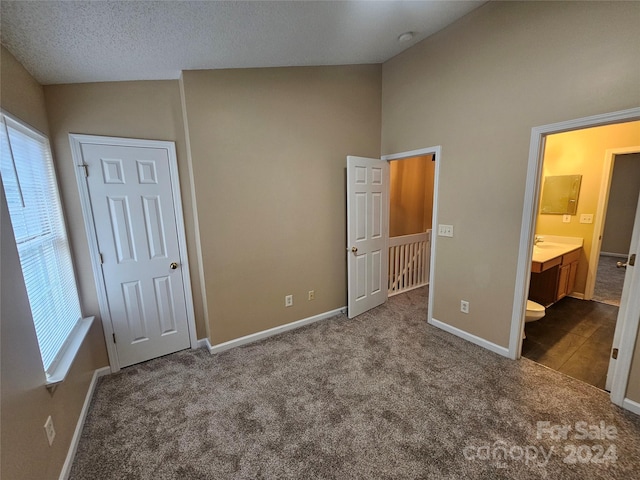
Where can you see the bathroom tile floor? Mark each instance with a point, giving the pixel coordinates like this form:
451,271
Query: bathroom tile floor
574,338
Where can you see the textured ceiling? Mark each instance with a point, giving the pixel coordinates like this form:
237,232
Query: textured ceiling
80,41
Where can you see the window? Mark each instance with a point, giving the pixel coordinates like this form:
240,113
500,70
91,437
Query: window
30,186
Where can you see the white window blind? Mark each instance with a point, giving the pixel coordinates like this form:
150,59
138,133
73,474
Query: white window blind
30,186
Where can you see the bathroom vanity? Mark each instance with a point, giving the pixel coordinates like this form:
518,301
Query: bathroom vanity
553,268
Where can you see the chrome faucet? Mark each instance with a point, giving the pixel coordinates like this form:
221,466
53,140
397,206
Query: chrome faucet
537,239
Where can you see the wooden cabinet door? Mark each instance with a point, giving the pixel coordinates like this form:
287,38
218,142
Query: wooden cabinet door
563,281
543,288
572,277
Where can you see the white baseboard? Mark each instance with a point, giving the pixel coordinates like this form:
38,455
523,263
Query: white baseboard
68,462
204,343
236,342
611,254
631,406
470,338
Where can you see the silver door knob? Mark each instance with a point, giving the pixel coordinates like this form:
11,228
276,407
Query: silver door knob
354,249
621,265
173,265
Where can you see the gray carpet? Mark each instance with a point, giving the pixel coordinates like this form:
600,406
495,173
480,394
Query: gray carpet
382,396
609,281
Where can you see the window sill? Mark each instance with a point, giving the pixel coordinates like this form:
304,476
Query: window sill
75,342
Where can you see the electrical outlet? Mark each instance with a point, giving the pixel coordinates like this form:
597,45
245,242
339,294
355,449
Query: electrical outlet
288,301
566,218
312,294
48,428
464,306
445,230
586,218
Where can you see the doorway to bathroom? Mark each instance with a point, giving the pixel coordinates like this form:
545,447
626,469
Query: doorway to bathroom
579,334
576,334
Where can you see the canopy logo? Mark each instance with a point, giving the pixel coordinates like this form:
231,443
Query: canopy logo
597,447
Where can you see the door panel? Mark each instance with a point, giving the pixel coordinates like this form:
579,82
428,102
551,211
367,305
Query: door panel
154,226
164,302
367,219
134,311
133,209
119,215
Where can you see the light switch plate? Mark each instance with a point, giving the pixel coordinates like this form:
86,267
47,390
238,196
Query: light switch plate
586,218
566,219
445,230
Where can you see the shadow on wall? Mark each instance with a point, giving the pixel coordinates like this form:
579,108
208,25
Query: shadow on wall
623,200
411,195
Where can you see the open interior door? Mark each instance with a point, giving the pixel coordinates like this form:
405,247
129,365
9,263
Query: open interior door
628,317
367,233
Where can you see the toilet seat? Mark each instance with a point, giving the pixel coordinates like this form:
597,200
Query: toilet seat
534,307
535,311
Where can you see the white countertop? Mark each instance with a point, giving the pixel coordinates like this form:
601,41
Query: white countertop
552,246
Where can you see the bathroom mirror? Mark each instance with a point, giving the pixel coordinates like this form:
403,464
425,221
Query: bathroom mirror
560,194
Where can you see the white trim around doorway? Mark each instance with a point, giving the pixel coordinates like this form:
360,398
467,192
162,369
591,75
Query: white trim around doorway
530,210
437,151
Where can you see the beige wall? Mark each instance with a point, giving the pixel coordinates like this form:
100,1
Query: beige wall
485,81
147,110
268,150
583,152
22,95
410,195
623,201
25,453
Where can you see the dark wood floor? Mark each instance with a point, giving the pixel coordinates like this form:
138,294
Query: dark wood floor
574,338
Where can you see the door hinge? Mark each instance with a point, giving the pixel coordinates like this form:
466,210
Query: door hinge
86,169
614,353
114,338
101,259
632,260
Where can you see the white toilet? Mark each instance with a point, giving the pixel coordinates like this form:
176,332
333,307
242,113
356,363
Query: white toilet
535,311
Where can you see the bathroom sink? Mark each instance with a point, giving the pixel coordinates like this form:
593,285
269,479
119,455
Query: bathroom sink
547,246
553,249
548,249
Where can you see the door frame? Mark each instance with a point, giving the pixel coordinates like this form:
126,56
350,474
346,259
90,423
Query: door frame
529,216
437,151
601,211
76,140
